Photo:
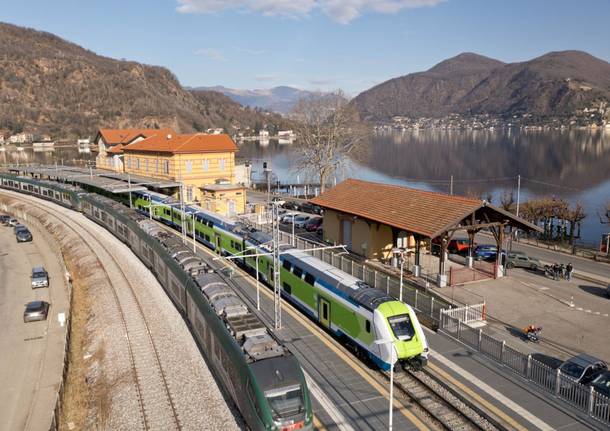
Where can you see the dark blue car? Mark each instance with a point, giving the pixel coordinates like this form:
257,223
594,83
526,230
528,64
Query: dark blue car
486,252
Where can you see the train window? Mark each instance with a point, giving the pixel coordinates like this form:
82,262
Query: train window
238,246
207,237
310,279
287,288
368,326
232,244
297,271
287,265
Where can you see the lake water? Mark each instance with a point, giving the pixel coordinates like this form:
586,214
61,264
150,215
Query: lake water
570,164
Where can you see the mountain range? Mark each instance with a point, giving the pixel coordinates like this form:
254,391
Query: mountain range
555,84
49,85
277,99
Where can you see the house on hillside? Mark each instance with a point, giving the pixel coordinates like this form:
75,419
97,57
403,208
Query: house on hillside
110,143
204,164
21,138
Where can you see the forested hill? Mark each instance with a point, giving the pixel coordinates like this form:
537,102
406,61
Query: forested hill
555,84
49,85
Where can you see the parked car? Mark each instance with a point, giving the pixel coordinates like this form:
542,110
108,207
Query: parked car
23,235
291,205
601,383
4,219
485,252
36,310
40,278
522,260
313,224
583,368
320,231
300,220
13,222
455,246
18,227
287,218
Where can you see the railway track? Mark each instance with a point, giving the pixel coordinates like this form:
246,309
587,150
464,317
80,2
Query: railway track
445,406
157,408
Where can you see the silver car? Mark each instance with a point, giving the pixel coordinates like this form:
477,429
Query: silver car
13,222
40,278
36,310
23,235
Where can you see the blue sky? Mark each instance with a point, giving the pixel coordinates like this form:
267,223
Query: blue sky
315,44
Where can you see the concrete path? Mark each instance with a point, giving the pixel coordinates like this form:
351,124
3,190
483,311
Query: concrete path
32,354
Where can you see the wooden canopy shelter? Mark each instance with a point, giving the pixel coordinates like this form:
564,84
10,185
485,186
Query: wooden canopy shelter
422,214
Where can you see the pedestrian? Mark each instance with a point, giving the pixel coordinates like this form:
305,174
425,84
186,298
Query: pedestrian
569,270
555,271
562,271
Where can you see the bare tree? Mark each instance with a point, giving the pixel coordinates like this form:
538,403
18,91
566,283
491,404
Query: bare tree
507,200
329,134
574,215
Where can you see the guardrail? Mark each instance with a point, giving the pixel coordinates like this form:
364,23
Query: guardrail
42,229
581,397
467,313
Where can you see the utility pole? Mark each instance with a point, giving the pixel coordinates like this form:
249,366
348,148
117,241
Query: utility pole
451,185
129,187
518,193
277,288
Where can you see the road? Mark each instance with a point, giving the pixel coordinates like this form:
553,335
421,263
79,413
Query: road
32,354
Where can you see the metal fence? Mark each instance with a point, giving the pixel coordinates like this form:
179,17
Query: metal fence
579,396
42,229
468,313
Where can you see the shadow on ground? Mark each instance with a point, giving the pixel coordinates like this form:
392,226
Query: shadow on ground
549,361
594,290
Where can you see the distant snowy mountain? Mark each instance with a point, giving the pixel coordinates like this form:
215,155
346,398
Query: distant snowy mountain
279,99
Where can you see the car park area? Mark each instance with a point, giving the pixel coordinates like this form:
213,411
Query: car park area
32,338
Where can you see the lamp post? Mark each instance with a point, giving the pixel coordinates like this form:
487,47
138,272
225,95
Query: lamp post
392,360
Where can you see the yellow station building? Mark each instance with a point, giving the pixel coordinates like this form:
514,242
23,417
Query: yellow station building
204,164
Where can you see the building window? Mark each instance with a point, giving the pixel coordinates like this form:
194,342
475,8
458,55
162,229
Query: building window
137,163
189,166
221,163
205,164
166,166
146,165
189,193
157,166
129,162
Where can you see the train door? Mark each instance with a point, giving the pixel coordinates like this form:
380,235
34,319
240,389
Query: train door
324,312
217,243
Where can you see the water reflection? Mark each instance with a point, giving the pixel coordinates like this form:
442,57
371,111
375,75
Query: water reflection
571,164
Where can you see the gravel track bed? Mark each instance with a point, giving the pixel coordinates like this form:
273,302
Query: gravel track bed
197,400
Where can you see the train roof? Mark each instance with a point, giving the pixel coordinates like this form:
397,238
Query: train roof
276,373
340,282
245,327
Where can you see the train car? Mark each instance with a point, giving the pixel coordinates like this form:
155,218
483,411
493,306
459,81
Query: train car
355,312
64,194
346,306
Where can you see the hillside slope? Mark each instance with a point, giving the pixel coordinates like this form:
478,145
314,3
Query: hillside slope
49,85
555,84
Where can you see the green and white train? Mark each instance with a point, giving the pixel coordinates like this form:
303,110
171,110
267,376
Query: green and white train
363,317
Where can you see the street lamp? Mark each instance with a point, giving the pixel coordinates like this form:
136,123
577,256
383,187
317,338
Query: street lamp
385,341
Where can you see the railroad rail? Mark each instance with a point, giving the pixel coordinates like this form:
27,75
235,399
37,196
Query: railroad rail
157,407
445,406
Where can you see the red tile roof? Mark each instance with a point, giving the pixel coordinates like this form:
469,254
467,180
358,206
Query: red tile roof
194,143
125,136
412,210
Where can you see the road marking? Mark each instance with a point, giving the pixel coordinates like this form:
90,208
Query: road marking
326,340
587,311
327,404
543,288
491,391
579,308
